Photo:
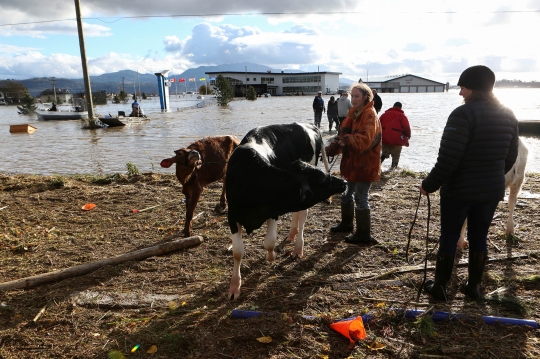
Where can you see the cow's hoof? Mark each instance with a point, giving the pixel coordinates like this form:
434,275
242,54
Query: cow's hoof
462,244
219,208
234,294
271,256
297,254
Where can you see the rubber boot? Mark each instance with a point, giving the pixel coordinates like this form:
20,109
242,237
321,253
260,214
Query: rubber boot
477,263
383,157
347,214
363,229
394,165
443,272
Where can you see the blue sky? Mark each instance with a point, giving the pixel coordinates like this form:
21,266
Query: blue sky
429,38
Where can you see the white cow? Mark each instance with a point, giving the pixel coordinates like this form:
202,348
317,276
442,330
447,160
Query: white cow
514,179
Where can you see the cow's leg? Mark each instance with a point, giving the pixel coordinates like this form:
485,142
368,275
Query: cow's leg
222,200
238,253
462,243
299,242
192,197
270,239
293,231
512,200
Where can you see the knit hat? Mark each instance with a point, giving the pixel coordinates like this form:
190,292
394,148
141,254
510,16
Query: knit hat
477,78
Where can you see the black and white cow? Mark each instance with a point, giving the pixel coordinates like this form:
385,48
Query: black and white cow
269,174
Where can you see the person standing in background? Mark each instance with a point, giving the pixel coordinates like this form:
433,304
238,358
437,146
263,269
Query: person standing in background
332,113
318,108
344,104
377,101
396,132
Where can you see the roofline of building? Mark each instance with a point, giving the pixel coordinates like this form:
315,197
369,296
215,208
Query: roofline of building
273,73
399,77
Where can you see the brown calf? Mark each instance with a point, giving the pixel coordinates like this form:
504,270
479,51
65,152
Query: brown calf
198,165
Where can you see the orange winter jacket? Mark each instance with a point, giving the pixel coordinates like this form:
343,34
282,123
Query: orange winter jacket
361,138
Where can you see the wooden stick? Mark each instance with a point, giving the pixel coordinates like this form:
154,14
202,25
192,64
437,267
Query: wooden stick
40,313
394,301
420,267
37,280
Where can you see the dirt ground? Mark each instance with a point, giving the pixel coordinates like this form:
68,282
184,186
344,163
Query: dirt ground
175,305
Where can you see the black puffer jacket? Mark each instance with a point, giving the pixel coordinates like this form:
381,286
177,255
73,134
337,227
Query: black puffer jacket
478,146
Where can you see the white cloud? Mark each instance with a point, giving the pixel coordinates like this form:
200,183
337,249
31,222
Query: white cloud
431,39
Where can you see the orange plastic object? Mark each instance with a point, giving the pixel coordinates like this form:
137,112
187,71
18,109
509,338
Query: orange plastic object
88,207
352,329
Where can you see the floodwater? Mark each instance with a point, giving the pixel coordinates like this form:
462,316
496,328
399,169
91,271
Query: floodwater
64,147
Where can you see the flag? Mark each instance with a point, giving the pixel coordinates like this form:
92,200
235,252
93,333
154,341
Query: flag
192,79
202,79
212,79
172,80
181,79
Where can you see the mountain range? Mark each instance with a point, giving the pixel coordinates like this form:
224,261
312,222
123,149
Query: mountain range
129,80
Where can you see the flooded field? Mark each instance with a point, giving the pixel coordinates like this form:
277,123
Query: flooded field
64,147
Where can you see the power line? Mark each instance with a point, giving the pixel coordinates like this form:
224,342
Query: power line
103,19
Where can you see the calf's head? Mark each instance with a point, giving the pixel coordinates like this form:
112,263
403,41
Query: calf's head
187,160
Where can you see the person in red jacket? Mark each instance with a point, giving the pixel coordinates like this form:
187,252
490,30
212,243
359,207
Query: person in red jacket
396,132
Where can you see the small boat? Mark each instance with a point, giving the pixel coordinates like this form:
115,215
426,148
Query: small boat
529,126
61,115
26,128
121,120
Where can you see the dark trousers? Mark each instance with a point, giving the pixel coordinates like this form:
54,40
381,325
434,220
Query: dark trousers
453,215
338,124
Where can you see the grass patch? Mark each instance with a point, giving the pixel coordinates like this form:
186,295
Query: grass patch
425,325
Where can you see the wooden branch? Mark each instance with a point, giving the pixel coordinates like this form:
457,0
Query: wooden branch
416,304
419,267
37,280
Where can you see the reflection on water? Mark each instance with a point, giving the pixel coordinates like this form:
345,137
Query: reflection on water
63,147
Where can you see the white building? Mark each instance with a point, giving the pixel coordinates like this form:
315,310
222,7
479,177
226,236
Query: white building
405,83
277,83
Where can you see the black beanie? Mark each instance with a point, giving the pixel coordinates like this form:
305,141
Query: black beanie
478,77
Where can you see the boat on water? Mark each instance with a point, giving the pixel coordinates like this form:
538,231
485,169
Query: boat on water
61,115
529,126
44,113
121,120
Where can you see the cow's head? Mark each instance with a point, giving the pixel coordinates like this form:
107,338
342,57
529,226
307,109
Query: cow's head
187,161
184,157
315,184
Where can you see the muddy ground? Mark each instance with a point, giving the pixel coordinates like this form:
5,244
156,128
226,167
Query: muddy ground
175,305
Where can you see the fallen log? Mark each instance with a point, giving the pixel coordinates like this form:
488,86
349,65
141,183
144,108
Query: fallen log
37,280
415,268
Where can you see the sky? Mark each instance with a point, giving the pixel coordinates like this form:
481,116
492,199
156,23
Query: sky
360,39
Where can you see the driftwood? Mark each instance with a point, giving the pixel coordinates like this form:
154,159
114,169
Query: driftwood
415,268
37,280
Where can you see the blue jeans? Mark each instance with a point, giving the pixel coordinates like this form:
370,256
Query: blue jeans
357,192
453,215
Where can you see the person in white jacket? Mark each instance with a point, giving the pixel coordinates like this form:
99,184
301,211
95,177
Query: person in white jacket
343,105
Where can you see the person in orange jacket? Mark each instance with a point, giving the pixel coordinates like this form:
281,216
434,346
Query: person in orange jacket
396,132
360,146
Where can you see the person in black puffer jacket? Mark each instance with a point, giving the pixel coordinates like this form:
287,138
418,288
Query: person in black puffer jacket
479,145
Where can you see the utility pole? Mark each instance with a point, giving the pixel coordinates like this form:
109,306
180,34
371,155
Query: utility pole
53,80
246,81
123,89
318,86
87,88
